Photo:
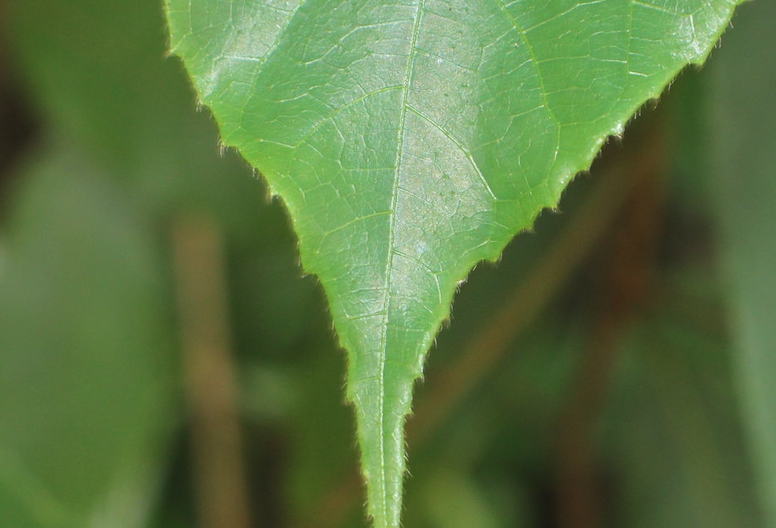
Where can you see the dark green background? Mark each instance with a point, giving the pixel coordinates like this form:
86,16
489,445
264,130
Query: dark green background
102,150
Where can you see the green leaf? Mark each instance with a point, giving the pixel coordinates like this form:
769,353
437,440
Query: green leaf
411,139
742,162
86,384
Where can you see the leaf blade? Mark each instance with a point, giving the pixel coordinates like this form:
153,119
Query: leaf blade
395,133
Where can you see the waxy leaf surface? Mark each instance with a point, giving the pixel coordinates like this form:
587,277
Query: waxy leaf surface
410,139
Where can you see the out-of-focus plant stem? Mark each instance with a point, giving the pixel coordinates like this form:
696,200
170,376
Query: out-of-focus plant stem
210,380
624,275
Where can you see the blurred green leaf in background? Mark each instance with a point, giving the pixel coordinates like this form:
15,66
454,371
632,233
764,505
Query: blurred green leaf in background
742,165
611,370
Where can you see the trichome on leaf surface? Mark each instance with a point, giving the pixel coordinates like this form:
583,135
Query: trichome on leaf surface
410,140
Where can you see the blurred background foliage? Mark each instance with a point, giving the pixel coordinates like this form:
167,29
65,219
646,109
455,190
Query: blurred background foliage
164,364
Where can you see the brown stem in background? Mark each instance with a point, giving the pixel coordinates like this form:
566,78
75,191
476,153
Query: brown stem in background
627,268
481,355
210,380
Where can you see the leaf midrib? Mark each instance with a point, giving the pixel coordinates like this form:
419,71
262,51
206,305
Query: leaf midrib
408,72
